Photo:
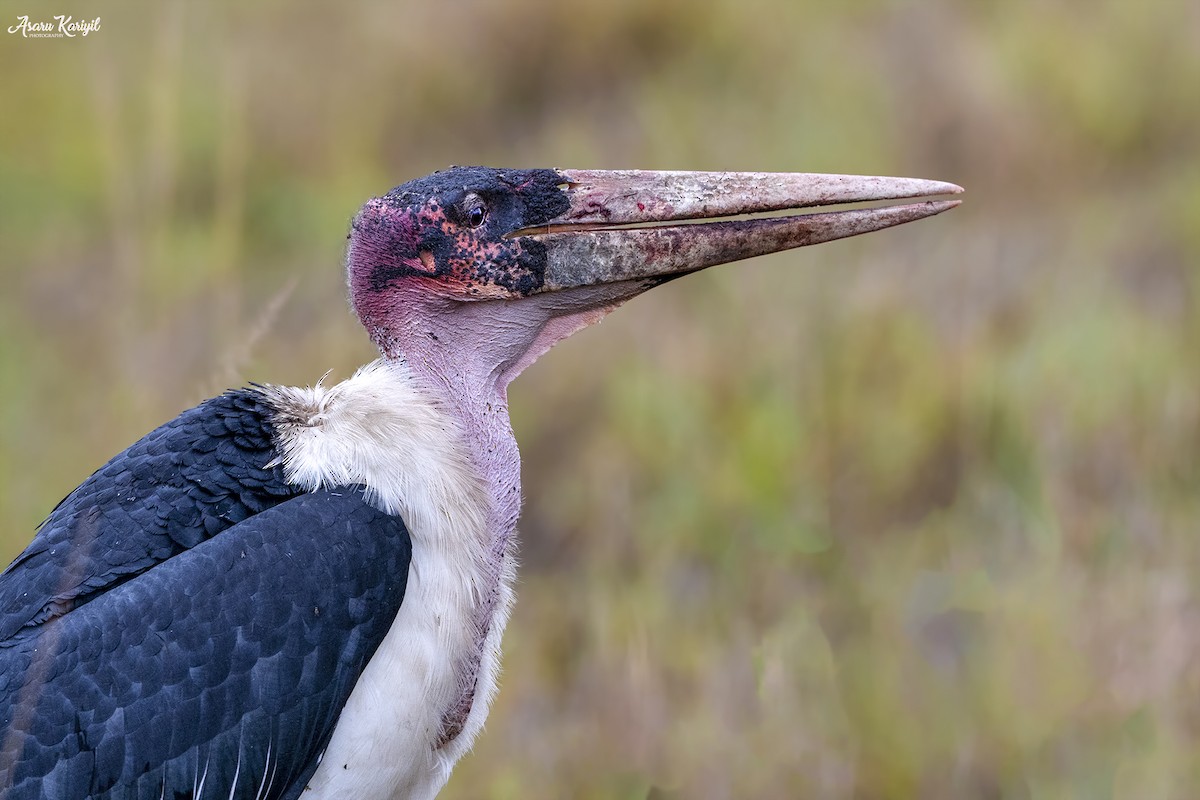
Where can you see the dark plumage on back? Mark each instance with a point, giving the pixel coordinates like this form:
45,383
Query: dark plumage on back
231,657
182,483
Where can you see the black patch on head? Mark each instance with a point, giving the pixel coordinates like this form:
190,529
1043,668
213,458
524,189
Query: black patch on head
516,198
474,254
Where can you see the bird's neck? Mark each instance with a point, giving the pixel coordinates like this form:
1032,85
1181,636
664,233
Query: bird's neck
468,353
465,376
463,355
464,359
466,373
470,391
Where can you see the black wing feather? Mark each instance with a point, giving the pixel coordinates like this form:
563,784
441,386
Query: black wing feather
186,607
211,467
189,672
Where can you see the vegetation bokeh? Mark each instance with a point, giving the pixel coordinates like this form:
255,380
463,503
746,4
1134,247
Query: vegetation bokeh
911,515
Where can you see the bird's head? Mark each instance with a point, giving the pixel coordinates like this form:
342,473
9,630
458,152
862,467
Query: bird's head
475,259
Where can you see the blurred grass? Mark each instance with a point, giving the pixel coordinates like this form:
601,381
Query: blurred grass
912,515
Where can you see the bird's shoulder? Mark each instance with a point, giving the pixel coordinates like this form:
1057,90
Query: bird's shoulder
191,478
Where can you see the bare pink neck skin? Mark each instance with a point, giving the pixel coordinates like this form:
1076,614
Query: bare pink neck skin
468,352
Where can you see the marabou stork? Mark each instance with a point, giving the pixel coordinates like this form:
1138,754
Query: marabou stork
289,592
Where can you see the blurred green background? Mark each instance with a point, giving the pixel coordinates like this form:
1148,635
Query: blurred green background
908,515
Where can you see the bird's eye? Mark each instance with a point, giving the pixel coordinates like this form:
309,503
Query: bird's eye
476,211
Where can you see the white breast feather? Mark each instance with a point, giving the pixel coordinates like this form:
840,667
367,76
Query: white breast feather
380,430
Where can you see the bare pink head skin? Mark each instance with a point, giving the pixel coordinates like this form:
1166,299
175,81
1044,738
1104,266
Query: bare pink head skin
470,274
